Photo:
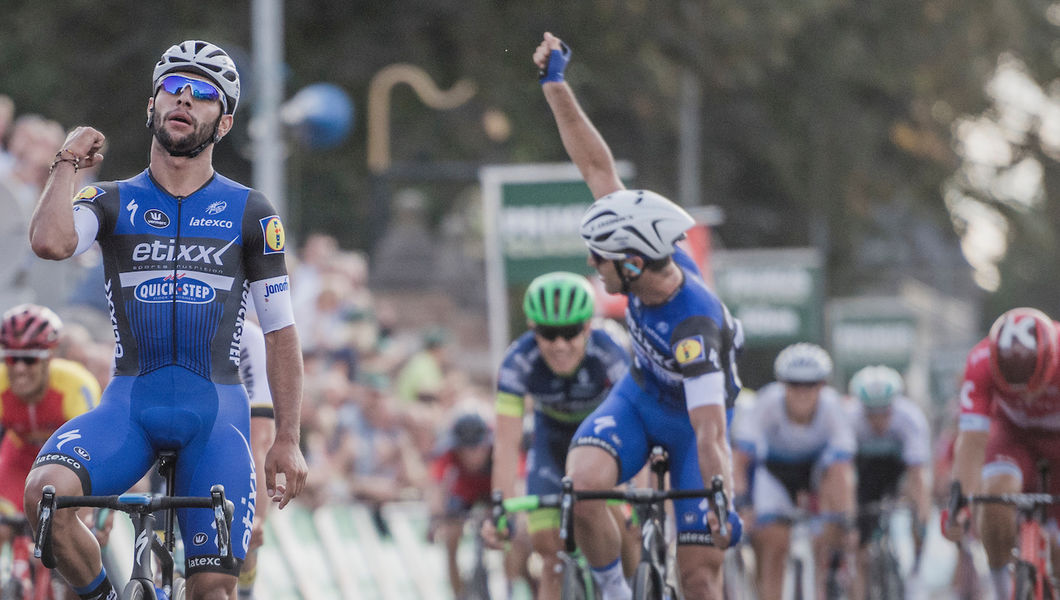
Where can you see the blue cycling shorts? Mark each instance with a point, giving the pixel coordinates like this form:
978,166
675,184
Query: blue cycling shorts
627,425
112,446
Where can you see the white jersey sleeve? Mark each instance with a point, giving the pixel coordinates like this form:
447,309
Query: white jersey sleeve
252,370
913,428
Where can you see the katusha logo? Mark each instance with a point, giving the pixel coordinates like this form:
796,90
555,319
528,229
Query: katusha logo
156,218
182,289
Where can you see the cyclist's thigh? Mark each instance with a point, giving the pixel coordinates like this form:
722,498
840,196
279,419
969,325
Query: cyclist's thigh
545,468
1008,455
617,428
106,447
199,583
770,499
218,453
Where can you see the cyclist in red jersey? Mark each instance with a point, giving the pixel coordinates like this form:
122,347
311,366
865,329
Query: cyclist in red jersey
1009,419
38,393
461,477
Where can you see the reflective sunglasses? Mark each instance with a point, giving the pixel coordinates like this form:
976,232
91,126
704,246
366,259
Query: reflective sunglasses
567,332
200,90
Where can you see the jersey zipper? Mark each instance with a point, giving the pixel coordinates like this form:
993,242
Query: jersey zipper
180,205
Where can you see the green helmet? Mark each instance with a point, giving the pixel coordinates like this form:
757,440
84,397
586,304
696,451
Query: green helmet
559,298
876,386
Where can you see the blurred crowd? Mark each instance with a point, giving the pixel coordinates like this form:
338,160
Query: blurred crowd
380,388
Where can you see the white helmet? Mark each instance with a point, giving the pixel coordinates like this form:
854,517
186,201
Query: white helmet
634,221
205,59
803,363
876,386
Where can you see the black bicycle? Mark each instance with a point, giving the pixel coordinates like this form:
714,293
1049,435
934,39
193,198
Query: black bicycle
652,577
141,509
883,576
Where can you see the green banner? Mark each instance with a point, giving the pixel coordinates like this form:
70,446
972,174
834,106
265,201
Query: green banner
870,331
776,293
538,225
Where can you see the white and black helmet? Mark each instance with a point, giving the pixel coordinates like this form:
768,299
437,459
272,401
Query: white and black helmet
634,221
205,59
803,363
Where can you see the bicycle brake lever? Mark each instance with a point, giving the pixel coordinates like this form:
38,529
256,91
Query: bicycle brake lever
721,504
222,514
497,513
45,510
566,522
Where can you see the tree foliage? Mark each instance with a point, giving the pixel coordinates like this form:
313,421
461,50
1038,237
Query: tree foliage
826,122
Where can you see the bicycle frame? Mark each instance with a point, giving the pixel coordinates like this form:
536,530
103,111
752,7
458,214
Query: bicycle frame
1033,579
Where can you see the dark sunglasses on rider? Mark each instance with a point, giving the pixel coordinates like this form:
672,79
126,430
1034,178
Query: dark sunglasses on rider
200,90
567,332
26,357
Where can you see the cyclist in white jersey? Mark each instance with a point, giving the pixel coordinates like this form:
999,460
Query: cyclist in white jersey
799,441
894,441
262,433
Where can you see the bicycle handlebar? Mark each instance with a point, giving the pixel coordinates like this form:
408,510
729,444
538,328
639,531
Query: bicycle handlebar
223,510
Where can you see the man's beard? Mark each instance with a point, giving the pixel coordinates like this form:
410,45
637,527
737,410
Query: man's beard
202,133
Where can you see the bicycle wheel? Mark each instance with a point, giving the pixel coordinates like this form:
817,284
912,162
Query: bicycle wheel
647,585
477,587
1023,581
138,590
573,583
178,592
12,588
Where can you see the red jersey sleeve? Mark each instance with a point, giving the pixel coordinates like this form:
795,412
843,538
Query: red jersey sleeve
977,390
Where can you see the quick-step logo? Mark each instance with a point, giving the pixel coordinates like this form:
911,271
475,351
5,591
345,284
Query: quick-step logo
181,288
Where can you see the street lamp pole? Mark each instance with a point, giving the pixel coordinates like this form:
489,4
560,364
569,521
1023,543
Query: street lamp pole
267,133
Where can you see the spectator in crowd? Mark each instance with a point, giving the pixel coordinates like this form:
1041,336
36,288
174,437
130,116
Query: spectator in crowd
421,379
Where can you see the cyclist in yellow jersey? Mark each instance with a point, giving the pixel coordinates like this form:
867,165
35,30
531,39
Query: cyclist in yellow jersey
38,393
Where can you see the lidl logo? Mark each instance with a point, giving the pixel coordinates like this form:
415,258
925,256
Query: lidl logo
275,238
89,192
689,350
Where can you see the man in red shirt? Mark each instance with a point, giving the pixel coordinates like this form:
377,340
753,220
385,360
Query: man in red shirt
38,393
461,477
1009,419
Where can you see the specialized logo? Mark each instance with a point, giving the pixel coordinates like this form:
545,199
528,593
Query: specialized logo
197,222
602,423
141,545
275,238
158,252
68,436
180,288
156,218
89,192
200,539
132,206
216,207
690,350
82,453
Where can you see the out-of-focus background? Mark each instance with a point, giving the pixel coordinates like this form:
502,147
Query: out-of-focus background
878,177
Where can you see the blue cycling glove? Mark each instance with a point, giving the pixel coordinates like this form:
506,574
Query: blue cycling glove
557,63
735,528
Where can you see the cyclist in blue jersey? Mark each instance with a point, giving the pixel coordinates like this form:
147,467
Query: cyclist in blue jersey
681,387
564,367
184,250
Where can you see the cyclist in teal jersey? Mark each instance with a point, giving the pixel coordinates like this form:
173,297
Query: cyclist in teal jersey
564,366
184,250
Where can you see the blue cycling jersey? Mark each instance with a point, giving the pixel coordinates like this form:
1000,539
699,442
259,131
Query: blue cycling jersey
177,270
689,335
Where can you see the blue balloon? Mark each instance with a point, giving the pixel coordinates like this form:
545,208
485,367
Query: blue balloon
320,115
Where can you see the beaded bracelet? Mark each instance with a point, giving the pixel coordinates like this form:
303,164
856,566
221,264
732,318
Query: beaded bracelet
76,161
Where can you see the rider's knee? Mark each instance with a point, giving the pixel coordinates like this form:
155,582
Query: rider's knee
211,586
62,479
